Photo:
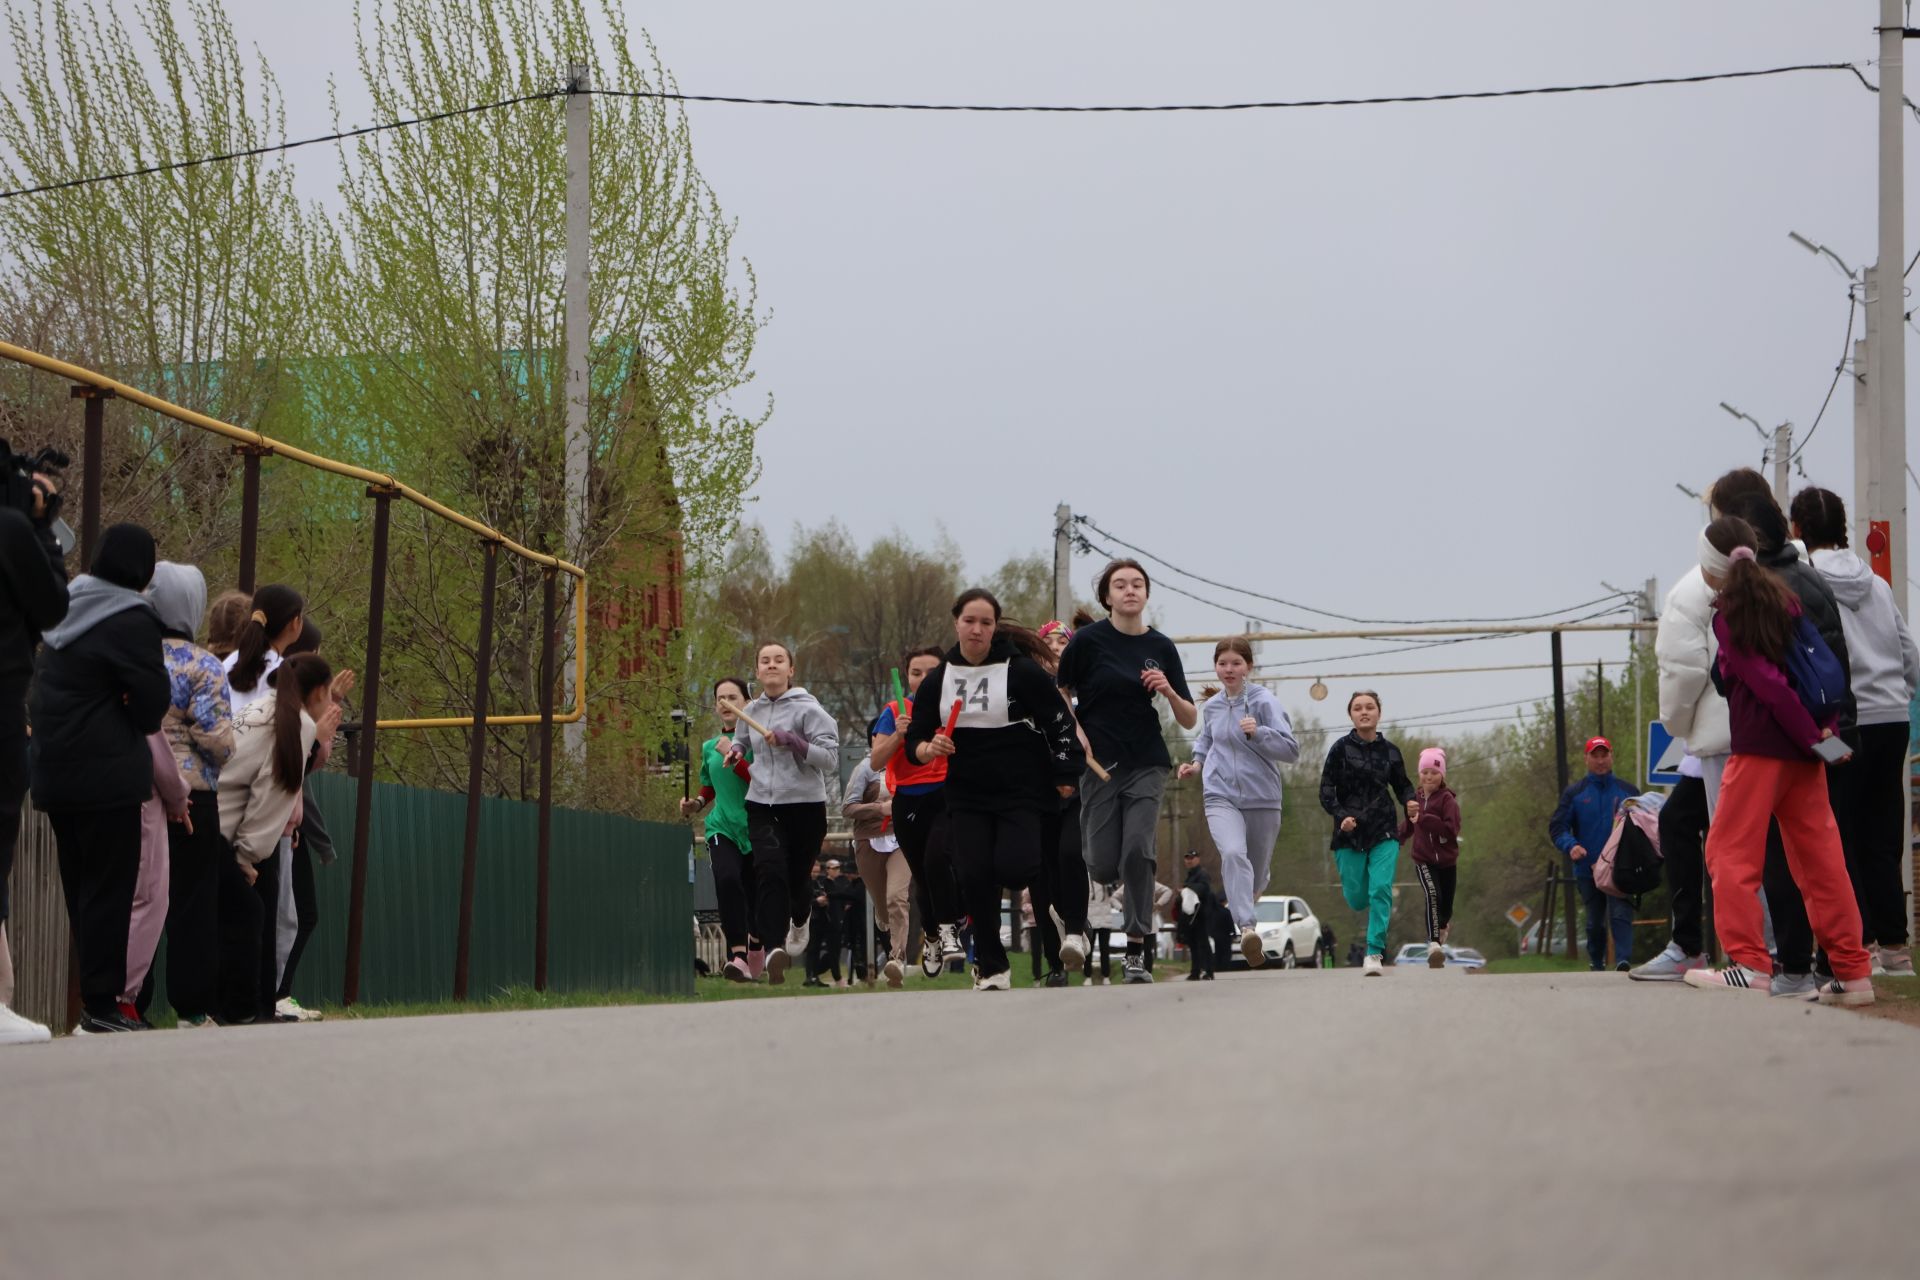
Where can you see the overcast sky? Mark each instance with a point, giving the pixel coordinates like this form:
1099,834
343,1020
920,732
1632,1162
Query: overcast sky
1411,361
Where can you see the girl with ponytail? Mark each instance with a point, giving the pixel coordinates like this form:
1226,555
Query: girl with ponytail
273,623
1774,774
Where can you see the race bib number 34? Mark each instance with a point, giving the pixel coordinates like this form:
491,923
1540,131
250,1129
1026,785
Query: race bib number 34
982,694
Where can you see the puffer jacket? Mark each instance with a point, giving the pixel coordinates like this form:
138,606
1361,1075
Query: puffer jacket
1690,707
1886,665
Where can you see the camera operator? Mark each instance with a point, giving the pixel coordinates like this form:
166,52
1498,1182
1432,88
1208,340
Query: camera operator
33,597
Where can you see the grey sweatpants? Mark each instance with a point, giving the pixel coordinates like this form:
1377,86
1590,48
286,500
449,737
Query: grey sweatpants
1117,823
1245,838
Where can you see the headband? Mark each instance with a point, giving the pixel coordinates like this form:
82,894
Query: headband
1048,628
1716,562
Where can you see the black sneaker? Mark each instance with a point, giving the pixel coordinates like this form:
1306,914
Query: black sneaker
99,1024
1057,978
1134,971
1623,967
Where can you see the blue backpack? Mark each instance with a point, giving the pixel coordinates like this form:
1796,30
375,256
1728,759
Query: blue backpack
1816,675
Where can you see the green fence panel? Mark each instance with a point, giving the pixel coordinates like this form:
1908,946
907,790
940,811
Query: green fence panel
621,899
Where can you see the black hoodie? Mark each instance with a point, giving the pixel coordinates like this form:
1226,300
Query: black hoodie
1015,741
102,686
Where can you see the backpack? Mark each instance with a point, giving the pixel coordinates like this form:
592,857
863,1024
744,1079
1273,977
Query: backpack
1814,672
1631,863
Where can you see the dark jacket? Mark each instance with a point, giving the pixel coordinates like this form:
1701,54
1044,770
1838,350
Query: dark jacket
33,594
1365,781
1766,715
1436,836
97,696
1816,597
1584,817
1015,741
1200,924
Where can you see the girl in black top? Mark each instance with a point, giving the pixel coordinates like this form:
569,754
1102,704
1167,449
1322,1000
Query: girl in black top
1364,786
1011,757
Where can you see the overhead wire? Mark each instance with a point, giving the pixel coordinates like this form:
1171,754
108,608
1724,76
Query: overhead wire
1846,348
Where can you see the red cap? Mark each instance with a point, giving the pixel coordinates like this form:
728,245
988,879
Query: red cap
1594,744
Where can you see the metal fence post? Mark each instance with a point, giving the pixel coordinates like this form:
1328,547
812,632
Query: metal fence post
250,456
92,462
369,717
543,858
476,761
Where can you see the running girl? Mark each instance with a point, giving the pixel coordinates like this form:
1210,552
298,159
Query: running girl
724,774
1433,824
920,816
1113,670
786,801
1063,925
1011,755
1244,736
1363,785
1773,775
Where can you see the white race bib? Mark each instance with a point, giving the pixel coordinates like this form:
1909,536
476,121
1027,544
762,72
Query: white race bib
982,694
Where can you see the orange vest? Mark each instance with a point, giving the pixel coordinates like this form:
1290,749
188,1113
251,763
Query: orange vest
901,770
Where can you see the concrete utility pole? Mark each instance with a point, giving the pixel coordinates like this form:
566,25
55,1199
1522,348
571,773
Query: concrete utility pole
579,339
1890,358
1866,447
1782,451
1063,563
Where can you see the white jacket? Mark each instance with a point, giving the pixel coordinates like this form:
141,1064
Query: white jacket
254,807
1690,707
1886,666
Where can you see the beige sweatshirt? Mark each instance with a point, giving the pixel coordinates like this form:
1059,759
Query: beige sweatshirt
254,807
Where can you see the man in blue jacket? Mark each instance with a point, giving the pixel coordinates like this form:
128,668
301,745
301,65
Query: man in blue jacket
1579,828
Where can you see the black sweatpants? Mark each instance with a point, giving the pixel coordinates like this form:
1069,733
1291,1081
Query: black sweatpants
1437,883
15,773
306,909
993,851
240,931
1200,943
733,887
193,908
1870,803
1066,868
786,842
267,889
1683,845
99,863
920,822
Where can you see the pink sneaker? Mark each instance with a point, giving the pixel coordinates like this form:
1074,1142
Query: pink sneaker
756,964
738,970
1735,977
1851,992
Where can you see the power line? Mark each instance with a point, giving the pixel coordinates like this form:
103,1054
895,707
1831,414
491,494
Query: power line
674,96
1088,521
250,152
1083,543
1424,644
1846,347
1275,105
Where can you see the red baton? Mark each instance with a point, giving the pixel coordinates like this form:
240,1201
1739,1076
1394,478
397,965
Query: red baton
953,717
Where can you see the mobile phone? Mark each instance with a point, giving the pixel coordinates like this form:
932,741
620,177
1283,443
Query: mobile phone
1832,750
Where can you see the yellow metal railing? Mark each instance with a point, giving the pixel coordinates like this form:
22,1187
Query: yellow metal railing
133,395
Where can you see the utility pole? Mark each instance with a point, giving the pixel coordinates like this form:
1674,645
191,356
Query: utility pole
1866,447
1782,451
1063,563
578,339
1890,358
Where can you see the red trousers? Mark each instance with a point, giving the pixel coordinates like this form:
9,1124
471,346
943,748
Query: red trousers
1755,790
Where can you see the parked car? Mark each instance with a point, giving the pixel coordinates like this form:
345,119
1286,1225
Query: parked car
1289,932
1457,957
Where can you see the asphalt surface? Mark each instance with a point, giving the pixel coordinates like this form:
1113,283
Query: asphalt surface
1308,1123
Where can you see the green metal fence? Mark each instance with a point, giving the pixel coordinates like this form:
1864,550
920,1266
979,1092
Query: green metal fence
622,899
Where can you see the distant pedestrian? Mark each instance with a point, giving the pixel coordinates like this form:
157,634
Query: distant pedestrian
1364,786
1198,906
1433,825
883,866
1580,827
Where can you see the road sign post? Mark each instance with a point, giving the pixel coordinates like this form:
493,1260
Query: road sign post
1664,754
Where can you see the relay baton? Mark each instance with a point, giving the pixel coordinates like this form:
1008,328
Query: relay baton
953,717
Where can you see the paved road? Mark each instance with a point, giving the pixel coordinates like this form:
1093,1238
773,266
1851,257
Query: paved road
1311,1124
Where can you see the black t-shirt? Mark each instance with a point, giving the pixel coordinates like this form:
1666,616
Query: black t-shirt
1102,666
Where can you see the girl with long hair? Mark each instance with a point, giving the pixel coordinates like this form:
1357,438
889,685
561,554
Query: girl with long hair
786,801
1011,754
1115,670
724,775
273,623
1064,938
1363,786
1245,736
920,817
1774,774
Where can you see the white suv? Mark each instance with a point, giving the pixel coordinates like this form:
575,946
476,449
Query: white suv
1289,931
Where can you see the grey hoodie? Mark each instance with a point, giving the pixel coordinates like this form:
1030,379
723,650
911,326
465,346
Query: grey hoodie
778,776
1234,767
91,601
1886,666
179,595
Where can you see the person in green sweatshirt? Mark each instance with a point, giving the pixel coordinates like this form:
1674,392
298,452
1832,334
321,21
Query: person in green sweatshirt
725,762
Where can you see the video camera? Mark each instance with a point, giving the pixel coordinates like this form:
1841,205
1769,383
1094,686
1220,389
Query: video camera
22,488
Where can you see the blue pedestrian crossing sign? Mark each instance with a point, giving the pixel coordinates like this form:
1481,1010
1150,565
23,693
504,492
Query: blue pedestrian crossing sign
1664,754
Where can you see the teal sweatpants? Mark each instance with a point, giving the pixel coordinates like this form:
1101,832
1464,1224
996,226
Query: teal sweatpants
1366,880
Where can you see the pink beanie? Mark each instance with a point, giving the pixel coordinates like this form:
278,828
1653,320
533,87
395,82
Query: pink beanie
1434,758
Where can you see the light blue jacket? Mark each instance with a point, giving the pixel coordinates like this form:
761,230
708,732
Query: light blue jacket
1236,768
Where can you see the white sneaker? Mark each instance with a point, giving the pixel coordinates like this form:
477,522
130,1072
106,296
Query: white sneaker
1735,977
1372,968
1671,965
1253,948
1794,986
15,1029
1896,962
1852,994
290,1010
893,973
950,942
1073,950
797,938
1002,981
